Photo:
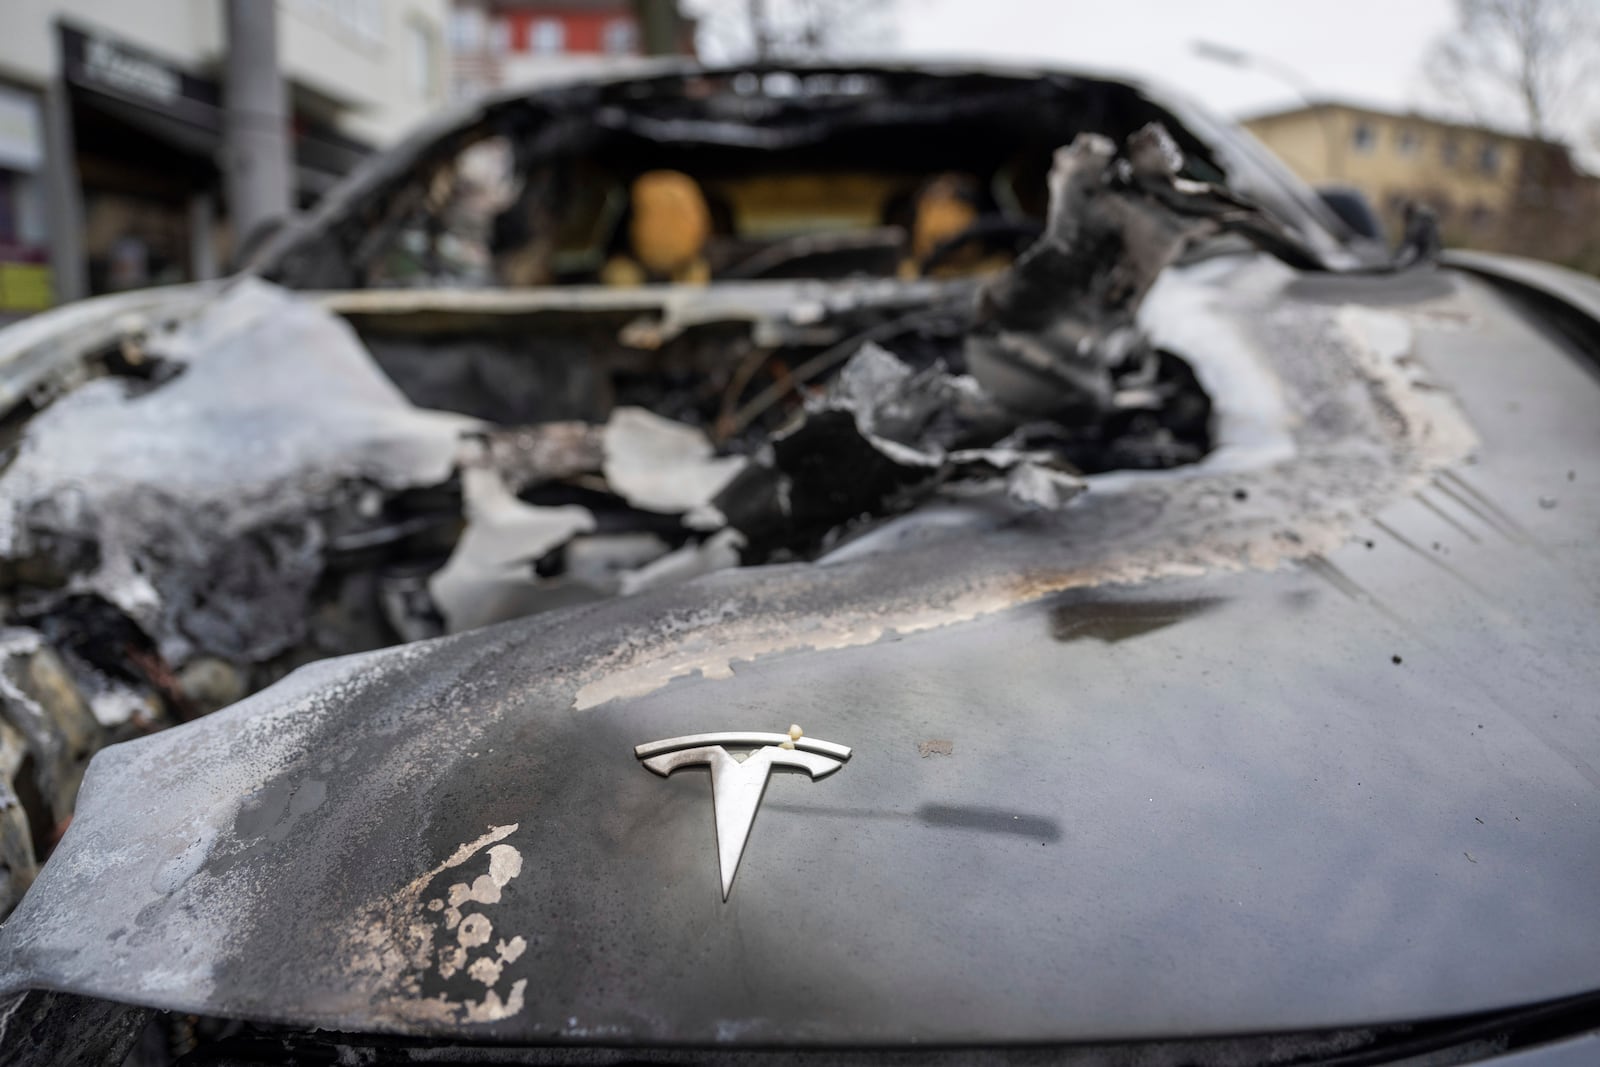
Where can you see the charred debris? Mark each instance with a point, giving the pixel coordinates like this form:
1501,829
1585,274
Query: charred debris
220,499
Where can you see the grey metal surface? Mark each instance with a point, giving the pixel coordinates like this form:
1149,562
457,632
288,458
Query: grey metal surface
1581,1051
1578,290
1276,745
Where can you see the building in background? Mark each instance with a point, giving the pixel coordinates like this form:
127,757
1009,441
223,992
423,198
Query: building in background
505,43
111,128
24,238
1490,189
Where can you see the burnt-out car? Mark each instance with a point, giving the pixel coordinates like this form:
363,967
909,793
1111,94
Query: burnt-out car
833,564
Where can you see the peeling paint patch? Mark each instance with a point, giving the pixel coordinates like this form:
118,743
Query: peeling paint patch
485,970
492,1009
713,657
470,849
416,938
505,863
474,930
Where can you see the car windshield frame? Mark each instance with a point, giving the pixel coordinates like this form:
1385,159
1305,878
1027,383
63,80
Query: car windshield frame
297,253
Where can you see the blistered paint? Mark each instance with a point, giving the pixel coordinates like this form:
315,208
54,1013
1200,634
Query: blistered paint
413,937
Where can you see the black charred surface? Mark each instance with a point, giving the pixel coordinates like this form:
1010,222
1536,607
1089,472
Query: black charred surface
1057,330
501,379
64,1030
1457,1040
1421,242
98,633
824,475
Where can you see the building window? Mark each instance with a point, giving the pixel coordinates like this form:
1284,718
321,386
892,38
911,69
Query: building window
548,37
1450,151
1409,141
1364,137
21,131
420,59
500,37
1489,159
466,30
620,37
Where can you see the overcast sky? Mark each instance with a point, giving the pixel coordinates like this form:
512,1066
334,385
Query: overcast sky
1356,51
1361,50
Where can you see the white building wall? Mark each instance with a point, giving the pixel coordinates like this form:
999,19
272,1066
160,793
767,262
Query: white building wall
381,63
184,31
385,61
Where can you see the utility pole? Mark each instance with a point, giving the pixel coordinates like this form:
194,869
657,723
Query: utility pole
256,117
63,197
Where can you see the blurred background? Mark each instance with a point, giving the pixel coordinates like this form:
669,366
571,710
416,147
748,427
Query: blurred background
145,142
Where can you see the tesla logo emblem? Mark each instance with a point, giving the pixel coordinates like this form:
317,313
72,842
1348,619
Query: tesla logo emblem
737,786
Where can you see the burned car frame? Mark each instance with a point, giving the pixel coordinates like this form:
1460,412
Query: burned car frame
1201,599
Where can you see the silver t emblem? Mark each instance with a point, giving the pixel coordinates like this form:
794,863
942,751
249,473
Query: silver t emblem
736,787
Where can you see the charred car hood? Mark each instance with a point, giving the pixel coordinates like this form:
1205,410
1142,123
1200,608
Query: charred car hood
1304,738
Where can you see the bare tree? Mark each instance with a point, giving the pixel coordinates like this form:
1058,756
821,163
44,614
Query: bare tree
790,29
1532,59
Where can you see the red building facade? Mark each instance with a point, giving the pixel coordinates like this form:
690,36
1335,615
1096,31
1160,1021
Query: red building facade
499,43
568,29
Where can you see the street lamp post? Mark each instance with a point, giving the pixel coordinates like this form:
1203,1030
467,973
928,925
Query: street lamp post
1332,158
256,113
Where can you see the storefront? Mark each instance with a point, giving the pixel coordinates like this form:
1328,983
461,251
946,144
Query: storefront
25,278
147,137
